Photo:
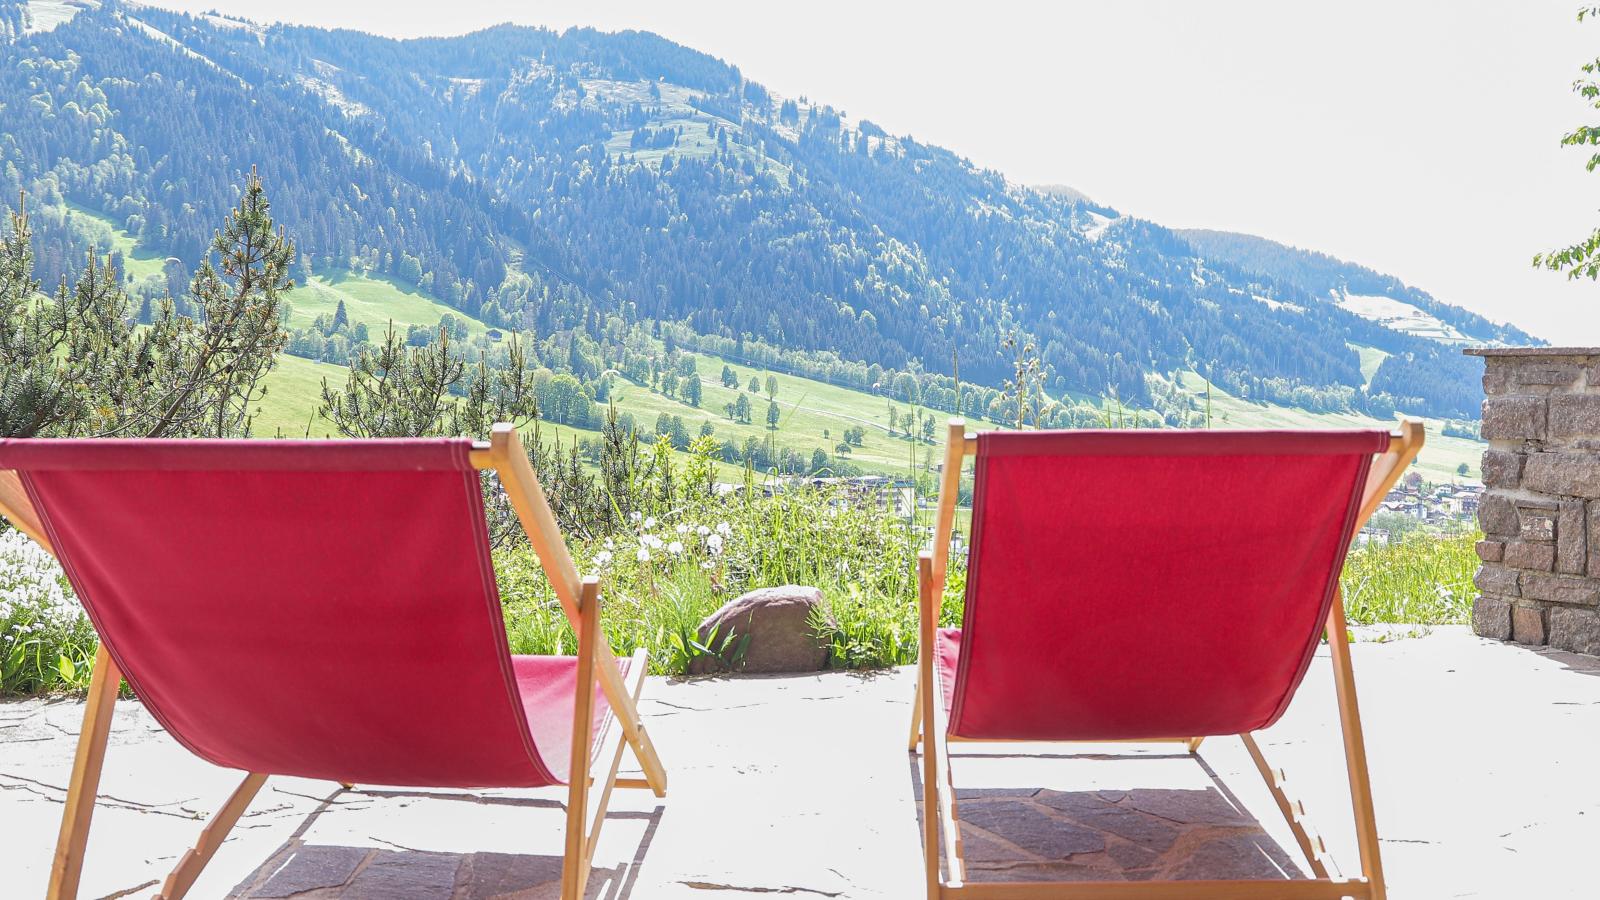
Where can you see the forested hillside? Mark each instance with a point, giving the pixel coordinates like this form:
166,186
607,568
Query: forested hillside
575,186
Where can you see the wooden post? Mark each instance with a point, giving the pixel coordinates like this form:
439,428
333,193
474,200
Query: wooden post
930,767
1355,749
67,867
956,445
1294,812
211,838
916,710
611,748
575,868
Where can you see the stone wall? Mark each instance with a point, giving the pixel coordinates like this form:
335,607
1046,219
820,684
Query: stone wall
1539,582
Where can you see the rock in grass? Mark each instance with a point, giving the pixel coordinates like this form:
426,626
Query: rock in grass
781,636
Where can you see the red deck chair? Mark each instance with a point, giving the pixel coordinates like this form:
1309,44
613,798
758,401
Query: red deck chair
324,609
1147,586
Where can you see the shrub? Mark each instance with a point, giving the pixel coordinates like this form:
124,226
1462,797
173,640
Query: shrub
46,640
668,571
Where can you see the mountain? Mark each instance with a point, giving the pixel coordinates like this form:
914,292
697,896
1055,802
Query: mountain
1444,374
584,182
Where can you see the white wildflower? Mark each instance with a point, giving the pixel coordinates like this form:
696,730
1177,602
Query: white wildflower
643,555
675,548
649,523
702,531
603,558
683,528
714,544
724,529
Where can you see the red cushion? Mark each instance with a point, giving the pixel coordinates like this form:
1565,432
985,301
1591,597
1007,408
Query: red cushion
322,609
1139,584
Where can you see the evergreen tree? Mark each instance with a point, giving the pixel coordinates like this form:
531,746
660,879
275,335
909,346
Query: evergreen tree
773,414
75,365
819,460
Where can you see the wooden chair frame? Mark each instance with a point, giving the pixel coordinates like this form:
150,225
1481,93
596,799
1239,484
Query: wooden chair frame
580,600
941,827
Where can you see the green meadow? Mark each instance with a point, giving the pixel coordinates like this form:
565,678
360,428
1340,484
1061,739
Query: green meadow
373,299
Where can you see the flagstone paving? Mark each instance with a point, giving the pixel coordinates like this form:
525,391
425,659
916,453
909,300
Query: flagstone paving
1484,760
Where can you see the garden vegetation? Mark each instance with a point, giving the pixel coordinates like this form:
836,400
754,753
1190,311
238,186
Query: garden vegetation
670,542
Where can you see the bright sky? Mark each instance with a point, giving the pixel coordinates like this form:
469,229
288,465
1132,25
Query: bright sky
1418,138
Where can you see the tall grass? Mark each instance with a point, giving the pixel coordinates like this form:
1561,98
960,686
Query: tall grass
1420,579
669,571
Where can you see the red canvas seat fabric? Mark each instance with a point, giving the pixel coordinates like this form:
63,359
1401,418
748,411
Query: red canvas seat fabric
326,609
1136,584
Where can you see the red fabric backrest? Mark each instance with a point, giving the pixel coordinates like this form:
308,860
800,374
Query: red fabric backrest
317,608
1137,584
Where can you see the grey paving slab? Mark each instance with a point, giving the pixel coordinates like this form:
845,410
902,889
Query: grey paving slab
1483,760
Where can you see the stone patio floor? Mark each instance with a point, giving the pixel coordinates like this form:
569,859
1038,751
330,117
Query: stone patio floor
1485,759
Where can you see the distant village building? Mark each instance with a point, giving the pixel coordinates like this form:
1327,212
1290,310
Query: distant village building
1443,505
1369,536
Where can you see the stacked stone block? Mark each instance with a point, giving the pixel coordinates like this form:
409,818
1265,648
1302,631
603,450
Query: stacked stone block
1539,582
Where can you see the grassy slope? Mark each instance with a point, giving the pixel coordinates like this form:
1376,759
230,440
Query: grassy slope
1440,455
675,111
808,407
1371,359
141,264
372,299
294,391
294,395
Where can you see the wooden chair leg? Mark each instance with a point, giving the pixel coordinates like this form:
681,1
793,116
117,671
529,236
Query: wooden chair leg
575,864
1194,743
931,791
211,838
1294,813
612,747
1355,748
949,818
916,714
67,867
643,749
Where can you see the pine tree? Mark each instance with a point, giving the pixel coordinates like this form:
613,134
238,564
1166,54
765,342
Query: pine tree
75,365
